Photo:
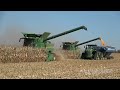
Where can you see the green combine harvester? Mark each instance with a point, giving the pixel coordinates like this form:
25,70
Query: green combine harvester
42,41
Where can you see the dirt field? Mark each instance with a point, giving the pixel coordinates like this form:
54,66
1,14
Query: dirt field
63,69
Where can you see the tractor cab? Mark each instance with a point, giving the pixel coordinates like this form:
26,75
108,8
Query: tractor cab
89,51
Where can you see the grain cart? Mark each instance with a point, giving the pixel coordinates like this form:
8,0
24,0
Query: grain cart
42,41
93,51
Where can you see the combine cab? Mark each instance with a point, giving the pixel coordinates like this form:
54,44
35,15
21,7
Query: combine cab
69,45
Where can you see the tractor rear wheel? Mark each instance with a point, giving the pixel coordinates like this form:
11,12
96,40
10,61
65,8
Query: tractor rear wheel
96,55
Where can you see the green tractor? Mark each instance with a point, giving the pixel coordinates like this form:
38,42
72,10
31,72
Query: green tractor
91,52
42,41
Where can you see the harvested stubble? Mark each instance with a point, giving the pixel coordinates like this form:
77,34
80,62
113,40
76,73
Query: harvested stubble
63,69
14,54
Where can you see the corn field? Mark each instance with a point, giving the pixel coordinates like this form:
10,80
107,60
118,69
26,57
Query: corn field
71,54
15,54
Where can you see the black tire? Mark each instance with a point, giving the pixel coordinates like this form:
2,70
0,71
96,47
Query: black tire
83,56
95,56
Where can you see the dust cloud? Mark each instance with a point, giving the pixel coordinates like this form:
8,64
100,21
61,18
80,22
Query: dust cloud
11,36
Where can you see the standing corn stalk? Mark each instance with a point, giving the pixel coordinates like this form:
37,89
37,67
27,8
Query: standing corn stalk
14,54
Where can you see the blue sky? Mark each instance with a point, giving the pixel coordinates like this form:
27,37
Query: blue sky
99,23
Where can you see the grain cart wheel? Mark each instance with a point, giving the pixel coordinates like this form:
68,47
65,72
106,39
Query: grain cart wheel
100,55
110,57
